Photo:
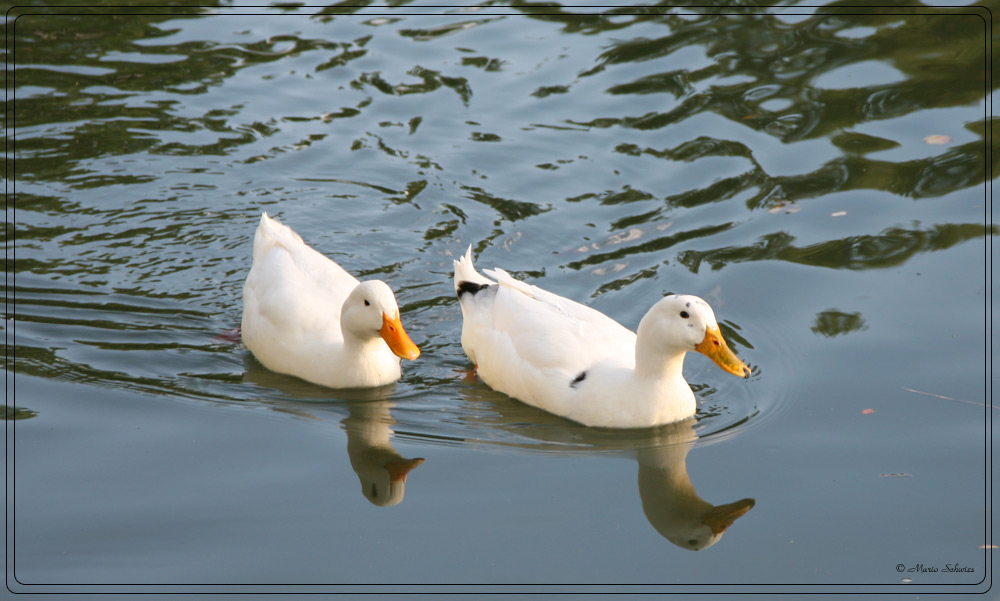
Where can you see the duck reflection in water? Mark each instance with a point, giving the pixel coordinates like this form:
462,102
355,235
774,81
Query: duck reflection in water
669,499
381,470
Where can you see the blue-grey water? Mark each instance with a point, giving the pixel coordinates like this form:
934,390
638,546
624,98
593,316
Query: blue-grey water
820,175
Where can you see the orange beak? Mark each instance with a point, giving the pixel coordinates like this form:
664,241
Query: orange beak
395,336
722,517
715,348
398,468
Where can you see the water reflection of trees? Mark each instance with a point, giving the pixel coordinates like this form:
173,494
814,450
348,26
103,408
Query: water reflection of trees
961,167
832,323
941,52
756,59
84,61
940,55
890,247
13,413
893,246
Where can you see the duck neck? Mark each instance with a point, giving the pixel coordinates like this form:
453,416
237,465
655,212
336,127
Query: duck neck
359,346
656,363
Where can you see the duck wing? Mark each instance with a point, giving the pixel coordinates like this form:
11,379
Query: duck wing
293,290
532,344
554,332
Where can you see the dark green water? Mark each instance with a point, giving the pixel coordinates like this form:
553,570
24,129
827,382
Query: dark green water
820,175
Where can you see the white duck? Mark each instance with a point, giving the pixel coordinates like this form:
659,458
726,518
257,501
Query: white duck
574,361
304,315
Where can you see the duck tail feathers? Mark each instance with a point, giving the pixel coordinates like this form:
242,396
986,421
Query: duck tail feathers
467,279
271,232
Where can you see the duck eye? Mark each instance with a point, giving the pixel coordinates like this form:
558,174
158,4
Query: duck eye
367,304
685,314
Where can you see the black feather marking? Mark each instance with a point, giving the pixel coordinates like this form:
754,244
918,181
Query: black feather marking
470,287
579,378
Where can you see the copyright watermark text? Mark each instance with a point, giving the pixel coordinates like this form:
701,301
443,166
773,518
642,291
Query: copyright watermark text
929,569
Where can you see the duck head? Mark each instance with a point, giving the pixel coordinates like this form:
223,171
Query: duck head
371,310
680,323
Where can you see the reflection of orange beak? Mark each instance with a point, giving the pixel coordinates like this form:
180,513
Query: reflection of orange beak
398,468
722,517
395,336
715,348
